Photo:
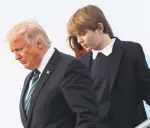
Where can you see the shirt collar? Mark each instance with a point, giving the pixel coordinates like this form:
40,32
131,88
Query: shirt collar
46,58
106,51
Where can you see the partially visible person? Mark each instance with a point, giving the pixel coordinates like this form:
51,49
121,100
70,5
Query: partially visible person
58,93
76,47
119,69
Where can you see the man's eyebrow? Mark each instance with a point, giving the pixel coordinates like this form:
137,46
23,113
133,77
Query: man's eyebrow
15,49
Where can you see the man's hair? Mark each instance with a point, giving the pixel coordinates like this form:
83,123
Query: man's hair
30,30
88,17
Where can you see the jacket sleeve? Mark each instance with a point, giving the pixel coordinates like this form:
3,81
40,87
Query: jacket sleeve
78,90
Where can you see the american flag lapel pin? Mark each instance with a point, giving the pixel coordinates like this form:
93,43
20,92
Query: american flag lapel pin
47,72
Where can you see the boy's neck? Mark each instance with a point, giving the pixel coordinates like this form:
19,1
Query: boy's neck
106,41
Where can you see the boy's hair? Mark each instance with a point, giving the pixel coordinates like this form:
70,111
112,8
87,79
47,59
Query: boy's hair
88,17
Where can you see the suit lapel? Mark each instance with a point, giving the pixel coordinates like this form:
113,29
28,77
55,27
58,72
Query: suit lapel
44,77
24,90
87,60
115,60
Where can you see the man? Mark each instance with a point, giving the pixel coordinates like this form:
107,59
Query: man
119,69
58,93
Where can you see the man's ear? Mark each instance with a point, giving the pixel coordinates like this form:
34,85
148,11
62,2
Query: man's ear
39,44
100,27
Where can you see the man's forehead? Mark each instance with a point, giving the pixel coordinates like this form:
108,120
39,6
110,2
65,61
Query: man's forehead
17,43
18,38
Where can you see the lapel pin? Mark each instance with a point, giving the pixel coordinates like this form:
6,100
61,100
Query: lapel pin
47,72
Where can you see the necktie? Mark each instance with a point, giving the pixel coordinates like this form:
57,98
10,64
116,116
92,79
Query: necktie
34,81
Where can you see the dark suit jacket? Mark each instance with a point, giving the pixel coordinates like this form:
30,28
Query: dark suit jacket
130,82
63,98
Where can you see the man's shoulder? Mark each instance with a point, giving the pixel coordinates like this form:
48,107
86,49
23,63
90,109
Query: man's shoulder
71,61
67,57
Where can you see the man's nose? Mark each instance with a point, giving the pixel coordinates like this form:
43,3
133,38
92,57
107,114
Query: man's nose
17,55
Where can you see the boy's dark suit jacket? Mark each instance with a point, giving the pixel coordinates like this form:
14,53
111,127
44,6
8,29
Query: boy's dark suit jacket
63,98
130,82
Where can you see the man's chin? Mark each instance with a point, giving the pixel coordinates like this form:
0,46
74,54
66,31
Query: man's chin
29,67
26,66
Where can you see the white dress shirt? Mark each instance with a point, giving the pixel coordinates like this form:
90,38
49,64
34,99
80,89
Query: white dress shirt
106,51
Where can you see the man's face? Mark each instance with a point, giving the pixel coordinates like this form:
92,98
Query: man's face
90,39
26,53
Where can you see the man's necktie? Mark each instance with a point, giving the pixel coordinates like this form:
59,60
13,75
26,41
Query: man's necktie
34,81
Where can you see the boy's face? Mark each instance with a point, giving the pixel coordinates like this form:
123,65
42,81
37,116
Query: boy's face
90,39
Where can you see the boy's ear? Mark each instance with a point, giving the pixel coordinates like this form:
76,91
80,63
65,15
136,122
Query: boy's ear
100,27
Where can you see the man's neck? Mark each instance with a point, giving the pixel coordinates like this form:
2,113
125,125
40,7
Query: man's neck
41,55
